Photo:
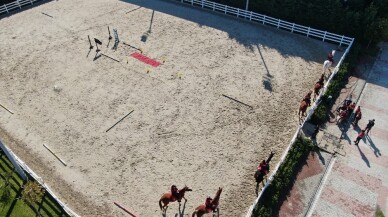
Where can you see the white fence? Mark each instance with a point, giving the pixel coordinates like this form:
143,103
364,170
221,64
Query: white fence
294,28
7,8
278,23
20,163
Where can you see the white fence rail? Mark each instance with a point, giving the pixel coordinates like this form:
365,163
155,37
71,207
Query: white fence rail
36,177
278,23
16,5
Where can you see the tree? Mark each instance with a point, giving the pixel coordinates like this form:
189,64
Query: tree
32,193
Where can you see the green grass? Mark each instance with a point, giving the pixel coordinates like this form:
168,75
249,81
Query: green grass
10,205
379,213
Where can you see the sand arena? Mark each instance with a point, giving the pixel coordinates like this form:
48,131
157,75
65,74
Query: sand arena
182,129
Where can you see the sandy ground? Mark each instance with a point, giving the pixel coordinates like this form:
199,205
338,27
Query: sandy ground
182,130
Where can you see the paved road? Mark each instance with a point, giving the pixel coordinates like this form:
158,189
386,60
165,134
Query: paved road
354,182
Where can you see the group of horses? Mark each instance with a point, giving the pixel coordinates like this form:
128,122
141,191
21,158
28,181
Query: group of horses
306,101
199,211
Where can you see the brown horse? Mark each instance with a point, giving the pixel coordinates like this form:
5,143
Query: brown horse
317,88
168,197
201,209
302,108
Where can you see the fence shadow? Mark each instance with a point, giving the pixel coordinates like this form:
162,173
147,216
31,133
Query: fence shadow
247,33
24,8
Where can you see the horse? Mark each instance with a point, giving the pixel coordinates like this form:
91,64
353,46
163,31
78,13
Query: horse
168,197
302,108
261,172
317,88
201,209
326,66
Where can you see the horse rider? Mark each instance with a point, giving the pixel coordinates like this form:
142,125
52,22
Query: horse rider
264,167
174,192
209,205
330,56
348,100
321,80
351,107
307,98
357,117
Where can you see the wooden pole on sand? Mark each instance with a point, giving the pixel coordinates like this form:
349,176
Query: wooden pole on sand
127,211
63,162
6,109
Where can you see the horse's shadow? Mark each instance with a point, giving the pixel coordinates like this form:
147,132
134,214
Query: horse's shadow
180,213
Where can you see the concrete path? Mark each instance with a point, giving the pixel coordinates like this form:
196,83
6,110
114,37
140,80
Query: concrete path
354,181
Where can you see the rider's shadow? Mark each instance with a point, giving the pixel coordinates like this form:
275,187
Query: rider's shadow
363,157
376,151
181,214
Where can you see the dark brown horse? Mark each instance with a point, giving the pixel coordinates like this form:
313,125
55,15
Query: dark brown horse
201,209
317,88
302,108
168,197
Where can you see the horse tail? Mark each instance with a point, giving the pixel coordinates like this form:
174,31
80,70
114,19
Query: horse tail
194,213
160,204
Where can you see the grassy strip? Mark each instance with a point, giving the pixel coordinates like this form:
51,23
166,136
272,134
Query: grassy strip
11,205
284,178
379,213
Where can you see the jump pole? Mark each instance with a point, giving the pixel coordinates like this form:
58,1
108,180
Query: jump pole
63,162
110,37
119,121
110,57
141,51
237,101
127,211
6,109
91,46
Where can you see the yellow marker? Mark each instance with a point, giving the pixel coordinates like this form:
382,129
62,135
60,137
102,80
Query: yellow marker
179,75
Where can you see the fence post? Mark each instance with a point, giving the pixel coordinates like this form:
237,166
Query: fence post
238,12
192,2
293,25
324,36
341,40
19,4
202,3
6,8
308,32
31,2
250,16
181,1
214,6
264,19
278,23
